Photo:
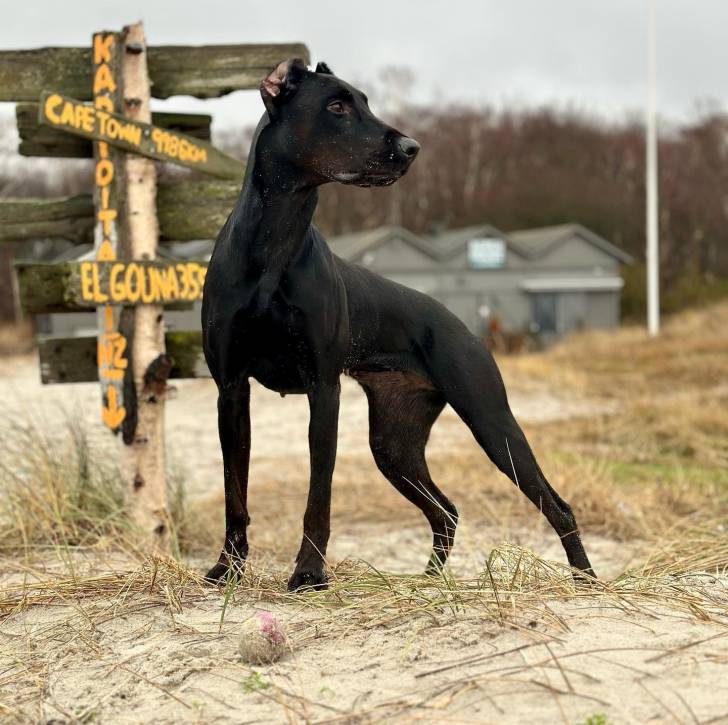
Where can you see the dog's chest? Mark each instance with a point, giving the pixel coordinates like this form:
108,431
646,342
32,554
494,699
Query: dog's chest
279,355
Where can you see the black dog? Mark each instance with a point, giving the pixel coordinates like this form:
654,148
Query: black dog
281,308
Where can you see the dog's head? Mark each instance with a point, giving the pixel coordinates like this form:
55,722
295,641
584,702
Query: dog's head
324,127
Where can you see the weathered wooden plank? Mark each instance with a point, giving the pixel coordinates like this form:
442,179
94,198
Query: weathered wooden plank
127,134
73,359
207,71
70,217
68,360
186,210
39,140
194,209
215,70
77,286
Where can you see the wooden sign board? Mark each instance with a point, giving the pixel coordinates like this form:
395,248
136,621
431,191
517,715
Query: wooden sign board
40,140
145,139
46,287
146,283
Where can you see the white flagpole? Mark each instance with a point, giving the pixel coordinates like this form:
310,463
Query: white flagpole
653,253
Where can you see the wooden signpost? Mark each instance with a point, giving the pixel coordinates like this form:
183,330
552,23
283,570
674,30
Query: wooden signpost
131,135
112,358
126,283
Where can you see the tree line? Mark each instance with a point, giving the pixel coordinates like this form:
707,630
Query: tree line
531,168
518,169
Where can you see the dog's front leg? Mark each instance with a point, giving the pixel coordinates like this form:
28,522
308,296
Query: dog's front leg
322,432
233,411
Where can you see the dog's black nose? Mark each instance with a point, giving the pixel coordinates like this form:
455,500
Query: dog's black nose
408,146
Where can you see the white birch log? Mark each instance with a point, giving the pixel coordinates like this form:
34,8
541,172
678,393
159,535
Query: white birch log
145,452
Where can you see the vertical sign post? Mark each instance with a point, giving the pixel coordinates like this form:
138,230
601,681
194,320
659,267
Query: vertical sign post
132,365
108,187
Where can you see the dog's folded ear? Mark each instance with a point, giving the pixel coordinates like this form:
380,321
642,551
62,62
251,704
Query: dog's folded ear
321,67
281,84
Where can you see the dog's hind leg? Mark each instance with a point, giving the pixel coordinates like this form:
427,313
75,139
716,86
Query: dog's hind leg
505,443
233,410
402,410
472,385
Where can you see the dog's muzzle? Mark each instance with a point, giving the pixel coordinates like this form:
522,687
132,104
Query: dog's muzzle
401,152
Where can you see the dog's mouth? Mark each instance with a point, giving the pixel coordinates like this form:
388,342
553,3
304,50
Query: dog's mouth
367,178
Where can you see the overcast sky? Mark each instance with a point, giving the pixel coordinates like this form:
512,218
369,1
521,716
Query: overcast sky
585,53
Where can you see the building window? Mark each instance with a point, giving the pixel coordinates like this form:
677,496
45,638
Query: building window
486,253
544,312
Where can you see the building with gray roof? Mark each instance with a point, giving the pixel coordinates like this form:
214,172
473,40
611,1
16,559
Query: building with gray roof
546,281
541,282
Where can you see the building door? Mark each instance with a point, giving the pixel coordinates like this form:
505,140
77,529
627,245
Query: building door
544,311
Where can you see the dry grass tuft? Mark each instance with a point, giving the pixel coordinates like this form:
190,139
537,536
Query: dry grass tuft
691,353
158,581
514,587
56,490
62,491
515,590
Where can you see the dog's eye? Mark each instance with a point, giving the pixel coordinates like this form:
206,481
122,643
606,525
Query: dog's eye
336,107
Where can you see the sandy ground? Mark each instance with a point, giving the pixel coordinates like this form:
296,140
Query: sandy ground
161,665
279,424
119,659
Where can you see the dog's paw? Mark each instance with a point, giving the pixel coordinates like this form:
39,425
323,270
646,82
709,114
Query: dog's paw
223,571
307,581
434,567
585,579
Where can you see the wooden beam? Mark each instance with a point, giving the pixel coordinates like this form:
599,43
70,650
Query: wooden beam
128,134
187,209
39,140
194,209
73,359
207,71
70,217
78,286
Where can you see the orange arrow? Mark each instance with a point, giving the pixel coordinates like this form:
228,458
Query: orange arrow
112,415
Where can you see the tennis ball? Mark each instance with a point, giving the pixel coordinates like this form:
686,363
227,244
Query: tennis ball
262,640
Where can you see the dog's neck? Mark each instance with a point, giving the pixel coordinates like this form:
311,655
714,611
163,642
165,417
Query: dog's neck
272,217
286,211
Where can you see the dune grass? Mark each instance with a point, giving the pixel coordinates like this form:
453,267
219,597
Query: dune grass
690,355
57,491
511,587
683,580
62,491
